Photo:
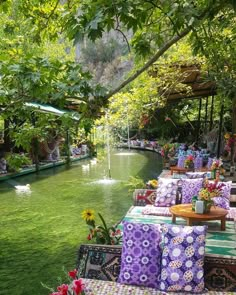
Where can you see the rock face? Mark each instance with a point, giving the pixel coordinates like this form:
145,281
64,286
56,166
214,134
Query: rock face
107,59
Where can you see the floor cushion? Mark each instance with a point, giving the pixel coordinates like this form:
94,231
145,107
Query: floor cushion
166,192
190,188
141,254
183,258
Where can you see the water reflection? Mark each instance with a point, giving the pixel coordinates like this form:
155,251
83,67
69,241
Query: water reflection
105,181
125,154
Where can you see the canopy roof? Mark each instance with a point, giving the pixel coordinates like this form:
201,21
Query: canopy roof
52,110
191,75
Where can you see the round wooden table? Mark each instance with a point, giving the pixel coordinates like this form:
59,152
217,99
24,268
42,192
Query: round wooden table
185,211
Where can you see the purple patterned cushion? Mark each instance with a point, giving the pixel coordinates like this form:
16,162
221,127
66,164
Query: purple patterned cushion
198,163
183,258
166,192
193,175
141,254
181,160
190,188
223,200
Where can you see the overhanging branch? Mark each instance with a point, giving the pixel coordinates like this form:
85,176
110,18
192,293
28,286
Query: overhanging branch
159,53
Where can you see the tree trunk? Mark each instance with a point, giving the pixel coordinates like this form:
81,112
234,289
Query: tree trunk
7,141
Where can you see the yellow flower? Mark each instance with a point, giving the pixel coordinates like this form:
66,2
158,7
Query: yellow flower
88,215
153,182
227,135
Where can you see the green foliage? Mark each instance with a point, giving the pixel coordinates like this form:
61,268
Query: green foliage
103,234
135,183
16,161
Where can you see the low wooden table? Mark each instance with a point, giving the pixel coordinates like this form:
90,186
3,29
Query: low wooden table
184,170
185,211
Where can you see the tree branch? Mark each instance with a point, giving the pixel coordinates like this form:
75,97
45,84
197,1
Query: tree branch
118,30
51,13
126,40
159,53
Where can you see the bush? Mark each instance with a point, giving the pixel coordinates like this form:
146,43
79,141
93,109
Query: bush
16,161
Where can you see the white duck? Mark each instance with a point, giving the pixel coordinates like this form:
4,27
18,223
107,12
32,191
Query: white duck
93,161
85,167
22,188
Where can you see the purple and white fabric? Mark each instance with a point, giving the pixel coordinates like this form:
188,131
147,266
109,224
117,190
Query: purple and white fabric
209,163
183,258
158,211
141,254
223,200
194,175
166,192
190,188
181,160
198,162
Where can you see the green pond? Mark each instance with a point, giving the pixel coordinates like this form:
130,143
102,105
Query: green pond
41,231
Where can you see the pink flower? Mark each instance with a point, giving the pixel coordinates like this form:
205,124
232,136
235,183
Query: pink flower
73,274
78,286
190,157
63,289
55,293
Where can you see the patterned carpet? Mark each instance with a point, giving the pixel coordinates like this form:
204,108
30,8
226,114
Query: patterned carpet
218,242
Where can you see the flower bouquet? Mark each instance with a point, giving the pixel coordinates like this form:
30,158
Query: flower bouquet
165,151
217,164
101,233
229,141
208,192
189,162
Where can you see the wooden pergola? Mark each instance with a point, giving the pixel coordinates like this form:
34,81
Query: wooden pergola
201,89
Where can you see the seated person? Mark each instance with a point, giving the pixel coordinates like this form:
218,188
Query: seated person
3,165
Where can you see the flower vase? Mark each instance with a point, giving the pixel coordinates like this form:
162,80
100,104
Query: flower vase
213,174
207,206
194,199
189,166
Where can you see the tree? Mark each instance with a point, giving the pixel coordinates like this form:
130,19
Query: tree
156,25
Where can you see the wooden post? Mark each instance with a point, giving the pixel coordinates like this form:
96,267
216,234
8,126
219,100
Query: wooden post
211,115
206,109
199,120
220,129
68,161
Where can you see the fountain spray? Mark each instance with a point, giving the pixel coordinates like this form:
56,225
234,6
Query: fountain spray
108,148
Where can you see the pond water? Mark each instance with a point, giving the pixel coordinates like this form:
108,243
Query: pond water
41,231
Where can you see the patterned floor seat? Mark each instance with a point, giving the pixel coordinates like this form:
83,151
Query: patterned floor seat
100,264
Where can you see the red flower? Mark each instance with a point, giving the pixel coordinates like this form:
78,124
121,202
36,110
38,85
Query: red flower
89,237
190,157
73,274
118,232
78,286
55,293
63,289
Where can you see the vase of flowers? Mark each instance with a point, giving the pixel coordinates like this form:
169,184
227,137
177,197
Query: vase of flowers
165,154
217,168
189,162
209,191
